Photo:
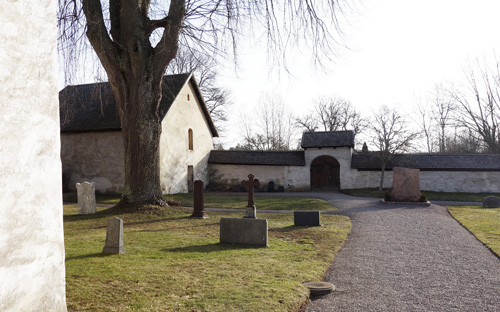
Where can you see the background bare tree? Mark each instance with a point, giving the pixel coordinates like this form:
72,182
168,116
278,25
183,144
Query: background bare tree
333,114
136,40
426,123
271,128
203,66
479,103
391,134
443,113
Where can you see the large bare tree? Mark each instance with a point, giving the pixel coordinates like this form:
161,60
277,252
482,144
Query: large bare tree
479,103
272,129
135,40
390,134
333,114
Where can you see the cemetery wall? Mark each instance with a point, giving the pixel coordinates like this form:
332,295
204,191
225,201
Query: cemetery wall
225,177
185,114
440,181
94,157
32,273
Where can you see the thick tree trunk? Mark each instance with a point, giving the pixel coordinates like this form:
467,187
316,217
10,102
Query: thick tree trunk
382,173
141,131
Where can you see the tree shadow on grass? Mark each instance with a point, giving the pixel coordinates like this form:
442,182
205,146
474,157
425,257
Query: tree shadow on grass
94,255
216,247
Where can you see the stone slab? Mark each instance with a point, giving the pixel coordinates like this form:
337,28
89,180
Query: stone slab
306,218
243,231
491,202
405,184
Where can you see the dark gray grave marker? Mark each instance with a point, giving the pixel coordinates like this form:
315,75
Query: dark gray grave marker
306,218
243,231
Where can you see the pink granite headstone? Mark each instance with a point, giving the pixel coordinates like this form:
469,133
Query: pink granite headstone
405,184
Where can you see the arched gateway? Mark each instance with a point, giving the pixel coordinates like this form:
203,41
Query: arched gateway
325,174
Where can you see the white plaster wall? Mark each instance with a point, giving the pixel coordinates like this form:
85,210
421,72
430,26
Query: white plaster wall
32,274
290,177
460,181
95,157
440,181
174,145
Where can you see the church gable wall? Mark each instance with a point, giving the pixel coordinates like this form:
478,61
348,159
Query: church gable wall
175,152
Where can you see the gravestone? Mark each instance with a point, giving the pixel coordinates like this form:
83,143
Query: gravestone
250,210
243,231
86,198
306,218
405,184
114,237
199,201
491,202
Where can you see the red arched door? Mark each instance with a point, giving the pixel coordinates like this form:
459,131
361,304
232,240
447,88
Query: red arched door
325,174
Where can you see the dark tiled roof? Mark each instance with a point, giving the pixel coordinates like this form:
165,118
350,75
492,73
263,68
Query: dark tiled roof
327,139
468,162
91,107
271,158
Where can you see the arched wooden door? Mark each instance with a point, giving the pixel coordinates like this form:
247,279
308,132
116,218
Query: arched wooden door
325,174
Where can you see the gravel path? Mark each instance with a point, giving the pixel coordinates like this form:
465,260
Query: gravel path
408,258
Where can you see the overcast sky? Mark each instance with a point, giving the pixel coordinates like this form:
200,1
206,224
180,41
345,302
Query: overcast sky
397,49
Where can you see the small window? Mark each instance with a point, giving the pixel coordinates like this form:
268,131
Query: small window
188,97
190,138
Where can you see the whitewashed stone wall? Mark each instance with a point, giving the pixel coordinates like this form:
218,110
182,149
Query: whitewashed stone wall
294,178
175,155
95,157
32,274
298,177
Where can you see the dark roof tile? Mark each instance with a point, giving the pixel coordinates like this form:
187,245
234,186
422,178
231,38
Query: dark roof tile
91,107
372,161
270,158
327,139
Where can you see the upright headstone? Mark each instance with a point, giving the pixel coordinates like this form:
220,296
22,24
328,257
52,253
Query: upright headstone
114,237
250,210
86,197
491,202
405,184
199,201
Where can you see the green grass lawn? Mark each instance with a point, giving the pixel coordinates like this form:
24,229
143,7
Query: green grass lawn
224,200
466,197
217,200
174,263
484,223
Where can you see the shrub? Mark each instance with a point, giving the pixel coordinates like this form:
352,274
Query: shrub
387,195
423,198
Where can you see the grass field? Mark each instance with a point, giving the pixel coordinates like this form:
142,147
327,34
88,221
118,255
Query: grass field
224,200
174,263
465,197
484,223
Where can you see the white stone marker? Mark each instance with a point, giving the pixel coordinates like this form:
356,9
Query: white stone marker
114,237
86,198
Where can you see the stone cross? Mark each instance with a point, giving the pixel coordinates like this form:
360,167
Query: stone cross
114,237
86,198
199,202
250,211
